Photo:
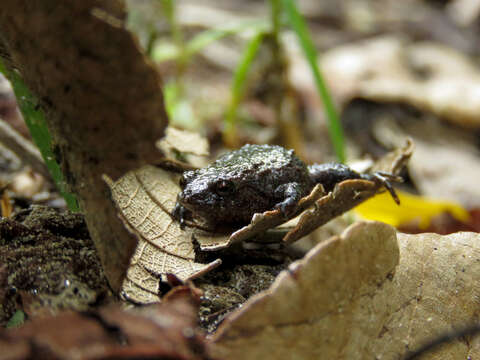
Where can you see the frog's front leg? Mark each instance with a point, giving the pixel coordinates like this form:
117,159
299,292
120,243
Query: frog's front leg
180,213
291,193
330,174
386,180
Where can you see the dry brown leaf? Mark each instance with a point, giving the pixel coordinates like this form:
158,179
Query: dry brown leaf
188,150
145,198
103,98
162,331
259,224
344,197
184,141
394,161
348,299
307,311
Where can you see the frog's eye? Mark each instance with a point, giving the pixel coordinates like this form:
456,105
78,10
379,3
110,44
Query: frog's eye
186,177
225,187
183,181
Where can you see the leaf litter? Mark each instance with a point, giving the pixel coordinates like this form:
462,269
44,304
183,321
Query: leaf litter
145,199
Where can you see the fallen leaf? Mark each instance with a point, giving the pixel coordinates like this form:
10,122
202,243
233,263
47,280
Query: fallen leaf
364,295
414,209
103,98
445,163
306,312
259,224
184,141
145,199
345,196
161,331
188,150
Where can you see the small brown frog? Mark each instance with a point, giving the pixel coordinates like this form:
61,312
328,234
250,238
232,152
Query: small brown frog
257,178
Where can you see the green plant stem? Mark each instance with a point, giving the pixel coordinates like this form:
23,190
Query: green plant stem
35,120
177,34
238,86
334,127
276,11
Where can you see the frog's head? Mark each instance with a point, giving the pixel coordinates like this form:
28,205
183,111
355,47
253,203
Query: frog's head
209,195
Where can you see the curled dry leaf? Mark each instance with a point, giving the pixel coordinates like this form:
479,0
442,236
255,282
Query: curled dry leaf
445,163
259,224
344,197
349,299
161,331
145,199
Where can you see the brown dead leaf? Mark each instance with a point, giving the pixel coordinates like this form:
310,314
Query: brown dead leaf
345,196
394,161
103,99
349,299
145,199
188,150
348,194
307,310
259,224
445,162
183,141
162,331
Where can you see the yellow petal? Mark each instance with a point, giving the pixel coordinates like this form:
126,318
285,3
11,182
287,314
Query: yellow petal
412,207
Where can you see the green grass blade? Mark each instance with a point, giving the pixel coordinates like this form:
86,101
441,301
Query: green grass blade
334,127
35,120
209,36
238,84
168,51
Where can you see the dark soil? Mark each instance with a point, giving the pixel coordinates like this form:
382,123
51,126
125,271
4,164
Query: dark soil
48,262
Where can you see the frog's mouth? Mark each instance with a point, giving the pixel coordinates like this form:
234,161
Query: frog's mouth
194,203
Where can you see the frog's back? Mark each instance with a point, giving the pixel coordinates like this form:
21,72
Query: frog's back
265,165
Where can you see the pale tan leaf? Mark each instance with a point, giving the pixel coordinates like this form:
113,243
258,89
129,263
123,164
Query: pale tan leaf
348,299
145,199
184,141
193,148
311,309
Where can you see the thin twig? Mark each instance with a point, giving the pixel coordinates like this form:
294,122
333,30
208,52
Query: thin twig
443,339
24,149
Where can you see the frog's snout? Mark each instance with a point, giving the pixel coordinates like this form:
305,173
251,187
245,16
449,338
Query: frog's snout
188,198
